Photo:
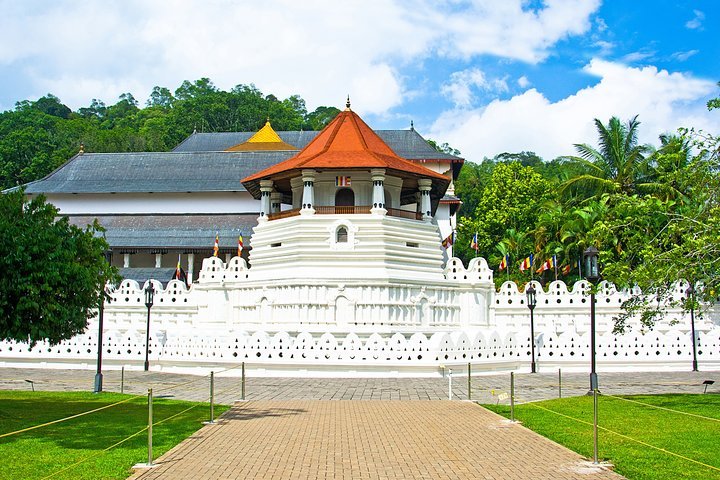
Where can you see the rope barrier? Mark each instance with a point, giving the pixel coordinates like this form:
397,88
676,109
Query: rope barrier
663,408
628,438
70,417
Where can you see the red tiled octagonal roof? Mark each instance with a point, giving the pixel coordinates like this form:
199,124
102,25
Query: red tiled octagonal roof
346,143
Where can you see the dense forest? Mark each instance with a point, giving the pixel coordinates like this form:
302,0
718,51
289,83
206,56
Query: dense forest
39,136
653,211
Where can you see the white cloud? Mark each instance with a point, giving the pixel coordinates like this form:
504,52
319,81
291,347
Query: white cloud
523,82
682,56
321,50
461,85
637,57
697,21
529,121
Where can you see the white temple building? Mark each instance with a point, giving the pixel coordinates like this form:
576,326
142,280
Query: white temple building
347,276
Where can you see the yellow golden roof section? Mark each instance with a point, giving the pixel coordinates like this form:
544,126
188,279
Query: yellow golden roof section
264,139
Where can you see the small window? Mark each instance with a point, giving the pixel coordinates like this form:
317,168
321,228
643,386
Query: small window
412,244
273,245
341,235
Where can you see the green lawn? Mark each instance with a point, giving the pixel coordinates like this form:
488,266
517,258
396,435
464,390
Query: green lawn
689,436
42,452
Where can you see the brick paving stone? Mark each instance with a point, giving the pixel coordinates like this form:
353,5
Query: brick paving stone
377,439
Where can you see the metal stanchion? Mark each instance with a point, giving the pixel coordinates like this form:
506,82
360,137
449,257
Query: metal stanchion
242,383
469,382
512,396
212,399
559,383
122,379
150,425
595,426
450,384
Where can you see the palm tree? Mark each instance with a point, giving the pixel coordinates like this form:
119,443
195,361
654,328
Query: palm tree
617,166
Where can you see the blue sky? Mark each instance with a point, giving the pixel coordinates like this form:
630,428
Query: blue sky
485,76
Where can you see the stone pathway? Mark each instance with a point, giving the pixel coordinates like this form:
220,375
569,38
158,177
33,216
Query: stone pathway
325,439
528,387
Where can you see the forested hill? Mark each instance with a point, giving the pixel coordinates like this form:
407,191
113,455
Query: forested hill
39,136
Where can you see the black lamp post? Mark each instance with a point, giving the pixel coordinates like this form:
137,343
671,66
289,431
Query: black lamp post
149,295
592,275
690,294
531,302
101,311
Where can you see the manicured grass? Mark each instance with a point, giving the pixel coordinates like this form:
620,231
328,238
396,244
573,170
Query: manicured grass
39,453
693,437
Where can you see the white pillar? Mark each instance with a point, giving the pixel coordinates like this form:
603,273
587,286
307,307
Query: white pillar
424,185
308,200
275,201
126,260
158,260
266,187
190,265
378,193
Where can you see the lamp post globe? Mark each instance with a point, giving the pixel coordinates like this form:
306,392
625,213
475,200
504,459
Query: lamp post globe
592,275
531,302
149,300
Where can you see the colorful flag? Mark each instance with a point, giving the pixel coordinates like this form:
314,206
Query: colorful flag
216,247
527,263
342,181
566,269
548,264
474,243
240,246
504,262
449,240
180,273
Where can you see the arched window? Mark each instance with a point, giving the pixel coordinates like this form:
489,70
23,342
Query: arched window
345,197
341,235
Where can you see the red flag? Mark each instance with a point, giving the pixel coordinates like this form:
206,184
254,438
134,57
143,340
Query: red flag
216,247
240,246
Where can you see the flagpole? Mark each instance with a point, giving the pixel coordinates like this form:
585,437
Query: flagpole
507,266
555,265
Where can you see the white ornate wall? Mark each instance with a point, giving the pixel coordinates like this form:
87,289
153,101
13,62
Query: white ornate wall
371,327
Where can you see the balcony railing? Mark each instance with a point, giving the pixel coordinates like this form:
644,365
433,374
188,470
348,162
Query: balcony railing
333,210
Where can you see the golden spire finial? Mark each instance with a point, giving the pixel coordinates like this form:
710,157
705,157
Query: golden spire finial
82,148
347,104
267,120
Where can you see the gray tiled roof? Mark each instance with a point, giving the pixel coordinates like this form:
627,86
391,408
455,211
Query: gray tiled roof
172,231
155,172
142,275
408,144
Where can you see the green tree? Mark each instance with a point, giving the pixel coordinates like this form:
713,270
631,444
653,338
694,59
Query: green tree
511,199
618,165
54,273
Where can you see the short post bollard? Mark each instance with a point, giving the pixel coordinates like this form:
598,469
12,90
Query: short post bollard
559,383
469,382
450,384
595,426
212,398
122,379
150,425
242,383
512,396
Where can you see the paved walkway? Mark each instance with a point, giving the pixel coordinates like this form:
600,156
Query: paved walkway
368,439
484,388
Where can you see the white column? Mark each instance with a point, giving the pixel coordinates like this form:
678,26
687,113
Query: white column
266,187
308,200
158,260
424,185
378,193
126,260
190,265
275,201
